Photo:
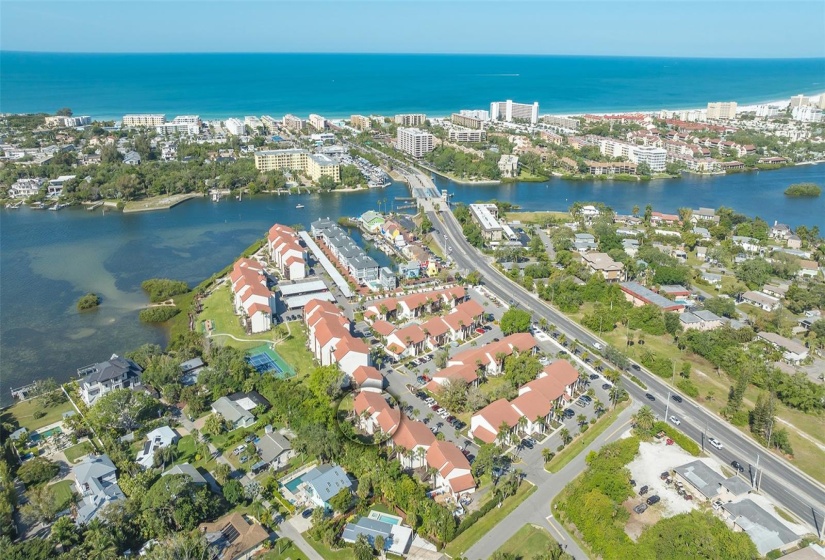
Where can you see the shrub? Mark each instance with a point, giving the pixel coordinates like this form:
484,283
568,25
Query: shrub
39,413
638,381
678,438
158,314
161,289
688,388
89,301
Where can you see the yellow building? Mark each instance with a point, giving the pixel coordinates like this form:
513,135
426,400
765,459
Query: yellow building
360,122
313,165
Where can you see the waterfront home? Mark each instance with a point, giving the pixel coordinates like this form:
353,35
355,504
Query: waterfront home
760,300
286,252
104,377
188,470
273,448
704,215
360,266
371,220
234,537
25,188
96,483
780,231
55,186
659,218
158,438
252,299
794,352
323,482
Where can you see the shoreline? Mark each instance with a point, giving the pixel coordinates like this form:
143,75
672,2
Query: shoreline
159,203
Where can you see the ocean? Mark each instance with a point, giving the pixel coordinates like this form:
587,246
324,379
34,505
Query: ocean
338,85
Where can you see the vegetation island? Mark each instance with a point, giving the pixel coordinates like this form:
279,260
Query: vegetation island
807,190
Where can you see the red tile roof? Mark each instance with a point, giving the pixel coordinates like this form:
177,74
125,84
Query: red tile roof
497,412
532,404
362,374
412,433
383,328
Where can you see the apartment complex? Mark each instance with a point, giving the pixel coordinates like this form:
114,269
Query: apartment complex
563,122
313,165
466,135
480,114
353,258
807,113
253,122
234,126
291,122
61,121
270,125
144,120
466,121
415,142
492,229
318,122
411,119
509,111
360,122
652,156
721,110
178,128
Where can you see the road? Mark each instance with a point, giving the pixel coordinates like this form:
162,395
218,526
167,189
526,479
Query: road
787,485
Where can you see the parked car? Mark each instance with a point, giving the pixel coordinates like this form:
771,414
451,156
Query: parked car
307,513
643,490
606,386
653,500
527,443
715,443
594,376
597,345
737,465
675,420
496,339
641,508
480,330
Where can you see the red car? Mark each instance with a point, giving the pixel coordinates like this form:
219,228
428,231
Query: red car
480,330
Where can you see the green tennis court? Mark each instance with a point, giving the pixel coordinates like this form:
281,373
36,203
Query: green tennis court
266,360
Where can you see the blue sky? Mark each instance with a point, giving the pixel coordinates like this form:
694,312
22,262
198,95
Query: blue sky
696,28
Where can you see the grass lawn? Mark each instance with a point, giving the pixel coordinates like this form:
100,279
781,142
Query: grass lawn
77,451
528,542
294,350
291,551
581,442
326,552
469,537
23,413
187,454
536,217
218,309
63,492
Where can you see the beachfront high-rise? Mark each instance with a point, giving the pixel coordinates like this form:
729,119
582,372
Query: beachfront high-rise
721,110
234,126
318,122
314,166
360,122
411,119
291,122
144,120
415,141
466,121
509,111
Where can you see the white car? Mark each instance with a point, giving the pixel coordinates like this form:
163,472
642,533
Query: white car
675,420
597,345
715,443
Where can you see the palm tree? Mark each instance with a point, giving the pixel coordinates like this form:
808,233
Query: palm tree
432,472
598,407
504,433
564,434
522,424
540,422
422,454
644,419
581,419
546,454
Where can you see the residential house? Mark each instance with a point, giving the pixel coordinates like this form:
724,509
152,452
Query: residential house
701,253
780,231
630,246
748,244
794,242
25,188
776,290
487,424
603,264
96,483
584,242
234,537
675,292
232,411
808,268
702,233
323,482
638,295
367,378
712,278
104,377
274,448
760,300
188,470
375,414
468,372
793,351
703,320
158,438
190,370
397,538
408,341
658,218
412,439
704,215
131,158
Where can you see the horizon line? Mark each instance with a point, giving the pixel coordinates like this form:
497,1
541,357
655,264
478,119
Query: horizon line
339,53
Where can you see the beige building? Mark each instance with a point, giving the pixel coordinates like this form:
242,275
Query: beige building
602,263
360,122
313,165
318,122
721,110
466,135
414,141
411,119
144,120
466,121
291,122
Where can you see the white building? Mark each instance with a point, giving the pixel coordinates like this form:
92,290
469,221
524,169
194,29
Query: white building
721,110
187,119
765,111
318,122
55,186
415,142
479,114
466,135
807,113
158,438
253,122
271,125
508,165
291,122
144,120
178,128
508,111
104,377
799,101
652,156
61,121
234,126
24,188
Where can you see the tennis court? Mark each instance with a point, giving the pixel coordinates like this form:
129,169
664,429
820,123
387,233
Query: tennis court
265,360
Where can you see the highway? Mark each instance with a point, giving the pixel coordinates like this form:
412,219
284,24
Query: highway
788,486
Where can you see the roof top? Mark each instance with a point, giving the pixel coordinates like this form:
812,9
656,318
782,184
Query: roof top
765,530
706,480
189,470
327,480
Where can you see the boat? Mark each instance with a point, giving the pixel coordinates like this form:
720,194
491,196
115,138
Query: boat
299,206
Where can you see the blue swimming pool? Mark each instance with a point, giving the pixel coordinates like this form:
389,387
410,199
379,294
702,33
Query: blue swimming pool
293,484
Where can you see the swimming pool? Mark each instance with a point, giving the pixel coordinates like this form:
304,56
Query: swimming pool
385,517
36,436
293,484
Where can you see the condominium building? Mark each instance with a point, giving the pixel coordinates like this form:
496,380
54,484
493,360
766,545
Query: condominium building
563,122
178,128
313,165
806,113
466,121
144,120
234,126
318,122
291,122
510,111
270,125
411,119
187,119
61,121
721,110
480,114
415,141
652,156
360,122
799,101
766,111
466,135
253,122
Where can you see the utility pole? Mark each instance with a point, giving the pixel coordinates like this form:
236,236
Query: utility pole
756,473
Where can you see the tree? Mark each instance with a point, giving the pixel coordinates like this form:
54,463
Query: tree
644,419
643,168
42,506
672,323
440,358
546,454
515,321
222,472
453,394
37,471
64,112
233,492
121,411
362,549
214,424
724,307
341,501
521,368
565,436
696,535
474,278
